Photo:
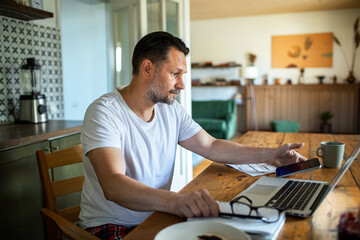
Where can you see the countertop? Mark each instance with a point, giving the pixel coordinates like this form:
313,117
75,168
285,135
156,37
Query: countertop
18,134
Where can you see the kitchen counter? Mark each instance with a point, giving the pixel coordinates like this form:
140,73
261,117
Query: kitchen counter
18,134
20,184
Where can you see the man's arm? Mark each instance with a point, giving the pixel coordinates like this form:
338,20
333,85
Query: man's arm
110,168
225,151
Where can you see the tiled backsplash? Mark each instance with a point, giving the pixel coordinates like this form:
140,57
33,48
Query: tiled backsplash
20,40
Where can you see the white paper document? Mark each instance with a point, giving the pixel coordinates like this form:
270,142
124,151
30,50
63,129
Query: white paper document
254,169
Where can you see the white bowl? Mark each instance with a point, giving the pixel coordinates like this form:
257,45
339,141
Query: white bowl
192,229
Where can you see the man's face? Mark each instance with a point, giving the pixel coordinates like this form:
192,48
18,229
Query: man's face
168,78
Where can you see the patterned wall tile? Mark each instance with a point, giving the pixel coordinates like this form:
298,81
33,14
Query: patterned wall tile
20,40
3,93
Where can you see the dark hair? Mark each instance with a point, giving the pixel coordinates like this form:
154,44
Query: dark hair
155,46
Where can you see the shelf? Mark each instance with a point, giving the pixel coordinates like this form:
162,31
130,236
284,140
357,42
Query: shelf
209,67
10,8
214,85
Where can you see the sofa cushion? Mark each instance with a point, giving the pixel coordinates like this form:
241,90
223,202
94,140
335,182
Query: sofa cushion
211,124
217,117
212,109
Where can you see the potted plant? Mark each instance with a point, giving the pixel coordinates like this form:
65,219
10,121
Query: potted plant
325,126
351,78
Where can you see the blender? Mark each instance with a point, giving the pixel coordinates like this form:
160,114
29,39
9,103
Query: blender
32,103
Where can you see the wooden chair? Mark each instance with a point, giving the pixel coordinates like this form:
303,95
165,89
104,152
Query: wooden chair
60,222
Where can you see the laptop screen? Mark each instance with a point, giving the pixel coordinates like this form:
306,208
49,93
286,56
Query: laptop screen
345,167
339,174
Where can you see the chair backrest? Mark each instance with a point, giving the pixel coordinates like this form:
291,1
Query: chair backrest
56,188
285,126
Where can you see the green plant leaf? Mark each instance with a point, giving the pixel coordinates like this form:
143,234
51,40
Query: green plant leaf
356,24
326,116
357,39
327,55
336,40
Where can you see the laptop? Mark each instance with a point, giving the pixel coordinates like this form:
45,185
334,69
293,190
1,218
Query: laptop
300,197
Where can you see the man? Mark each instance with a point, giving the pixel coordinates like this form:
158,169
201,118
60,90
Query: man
129,143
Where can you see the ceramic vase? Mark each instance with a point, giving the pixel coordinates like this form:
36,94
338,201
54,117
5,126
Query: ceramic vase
351,78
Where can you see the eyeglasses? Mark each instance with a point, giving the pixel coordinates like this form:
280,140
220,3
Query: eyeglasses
244,210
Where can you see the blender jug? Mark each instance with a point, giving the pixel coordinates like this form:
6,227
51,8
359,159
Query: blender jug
30,77
32,102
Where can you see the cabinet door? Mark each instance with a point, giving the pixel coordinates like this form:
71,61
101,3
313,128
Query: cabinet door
21,193
64,142
66,171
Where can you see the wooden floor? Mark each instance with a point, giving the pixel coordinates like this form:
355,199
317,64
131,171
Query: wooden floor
205,163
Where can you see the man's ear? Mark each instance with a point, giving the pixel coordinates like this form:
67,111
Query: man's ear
147,68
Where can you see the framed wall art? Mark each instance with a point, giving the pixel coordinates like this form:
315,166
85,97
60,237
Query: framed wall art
302,51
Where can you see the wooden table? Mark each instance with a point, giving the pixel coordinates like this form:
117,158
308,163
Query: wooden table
224,183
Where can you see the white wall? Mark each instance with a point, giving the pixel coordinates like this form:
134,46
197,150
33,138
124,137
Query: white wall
85,61
231,39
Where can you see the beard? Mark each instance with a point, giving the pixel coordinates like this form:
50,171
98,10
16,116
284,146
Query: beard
157,94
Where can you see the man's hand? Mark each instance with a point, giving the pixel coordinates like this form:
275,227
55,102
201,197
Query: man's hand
286,154
195,204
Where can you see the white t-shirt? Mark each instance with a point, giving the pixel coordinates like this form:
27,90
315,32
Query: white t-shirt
149,150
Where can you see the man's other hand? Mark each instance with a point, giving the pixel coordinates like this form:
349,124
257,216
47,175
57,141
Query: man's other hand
286,154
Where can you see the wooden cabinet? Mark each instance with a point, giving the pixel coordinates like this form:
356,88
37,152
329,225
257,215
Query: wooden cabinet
304,104
21,192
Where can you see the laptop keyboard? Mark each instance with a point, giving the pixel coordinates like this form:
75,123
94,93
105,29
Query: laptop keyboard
294,195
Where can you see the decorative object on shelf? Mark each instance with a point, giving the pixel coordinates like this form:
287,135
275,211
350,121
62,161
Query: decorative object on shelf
250,73
288,82
195,82
351,78
301,77
195,65
208,64
334,79
235,82
23,2
252,58
321,79
228,64
36,4
220,82
325,126
233,64
277,81
265,79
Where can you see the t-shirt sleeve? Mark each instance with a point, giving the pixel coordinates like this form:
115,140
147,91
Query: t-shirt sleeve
100,129
188,127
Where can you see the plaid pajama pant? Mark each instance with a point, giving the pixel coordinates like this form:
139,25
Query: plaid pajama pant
109,231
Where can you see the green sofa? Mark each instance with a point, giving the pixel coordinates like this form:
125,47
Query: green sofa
217,117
